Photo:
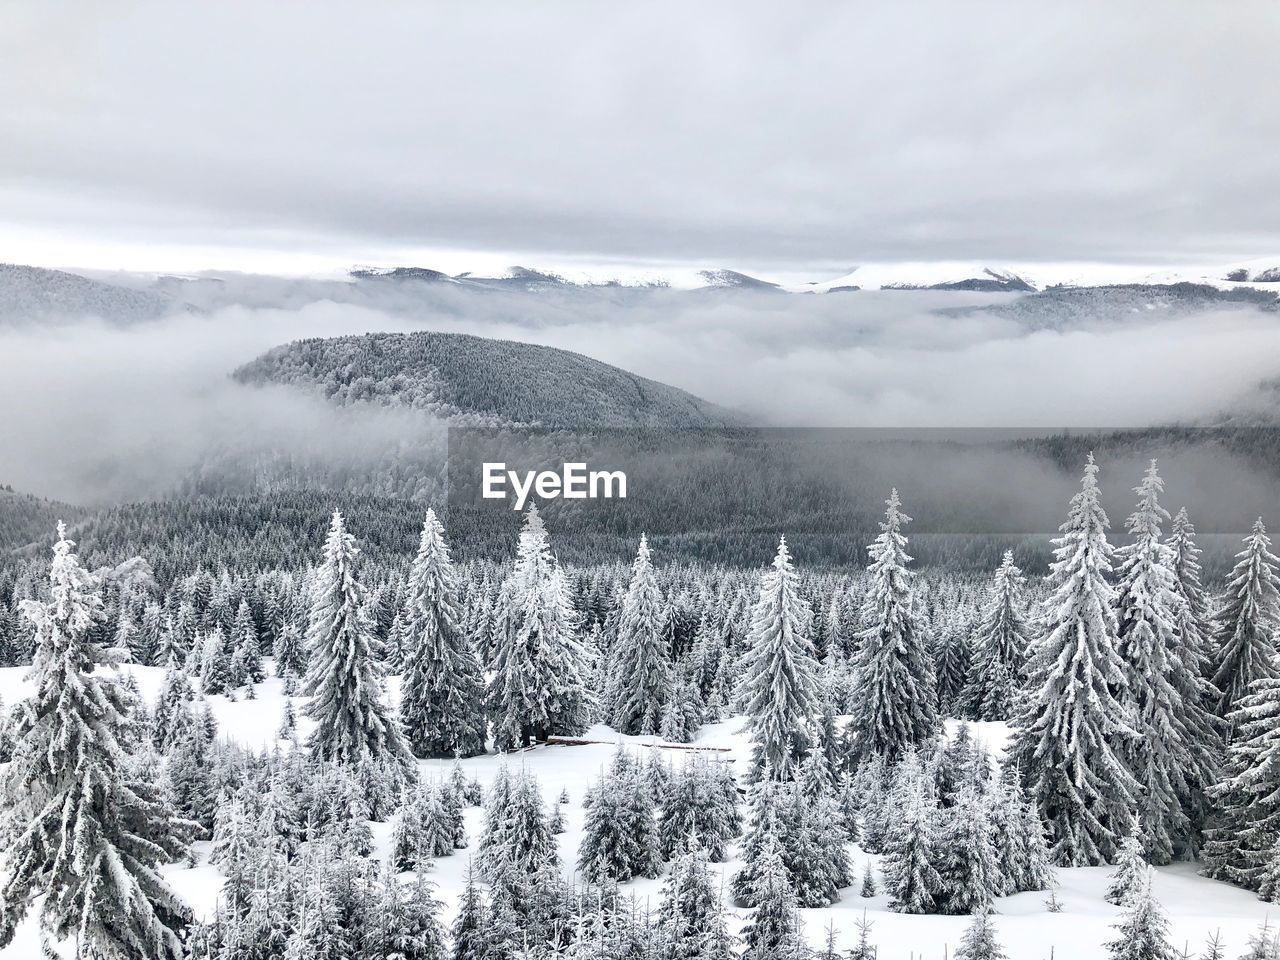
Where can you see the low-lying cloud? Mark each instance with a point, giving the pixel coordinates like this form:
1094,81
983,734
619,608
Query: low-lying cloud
96,413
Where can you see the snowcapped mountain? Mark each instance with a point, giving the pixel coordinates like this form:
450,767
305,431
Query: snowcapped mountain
960,275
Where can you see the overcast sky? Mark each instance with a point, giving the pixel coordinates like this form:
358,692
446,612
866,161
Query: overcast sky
796,137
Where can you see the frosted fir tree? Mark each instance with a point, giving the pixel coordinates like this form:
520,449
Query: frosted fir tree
641,682
344,680
238,852
1246,821
537,687
1072,727
620,836
773,931
518,852
79,830
1143,931
1131,872
247,643
1026,862
895,704
967,858
173,711
290,651
910,847
868,888
1147,605
682,715
470,924
1191,665
1000,646
215,664
952,660
441,692
691,914
405,922
979,941
694,804
779,689
1246,621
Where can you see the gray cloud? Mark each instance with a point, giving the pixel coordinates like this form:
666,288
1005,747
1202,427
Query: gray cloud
753,134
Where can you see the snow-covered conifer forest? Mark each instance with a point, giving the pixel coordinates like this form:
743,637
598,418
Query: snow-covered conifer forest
718,480
433,756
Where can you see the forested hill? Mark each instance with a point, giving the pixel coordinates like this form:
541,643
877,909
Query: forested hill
26,519
476,380
36,295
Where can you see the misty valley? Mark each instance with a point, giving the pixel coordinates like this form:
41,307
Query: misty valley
936,618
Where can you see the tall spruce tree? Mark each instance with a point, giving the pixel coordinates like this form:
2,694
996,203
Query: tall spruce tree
79,829
1245,625
1147,605
441,692
537,688
895,706
1000,647
641,682
344,679
1072,728
1191,664
779,688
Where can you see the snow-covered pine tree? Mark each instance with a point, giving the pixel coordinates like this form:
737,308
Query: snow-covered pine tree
641,681
895,704
1000,647
245,638
1024,854
952,660
537,687
868,888
441,692
1246,621
1246,802
620,836
1191,664
773,931
405,924
779,688
518,852
979,941
344,680
691,914
173,710
1143,930
290,651
78,829
864,949
215,665
966,858
238,851
910,847
467,934
693,804
1072,726
1147,606
1131,872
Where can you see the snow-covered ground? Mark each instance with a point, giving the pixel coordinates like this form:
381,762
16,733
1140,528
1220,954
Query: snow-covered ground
1196,907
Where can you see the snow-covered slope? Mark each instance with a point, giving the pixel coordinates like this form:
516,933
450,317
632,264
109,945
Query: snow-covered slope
1196,906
